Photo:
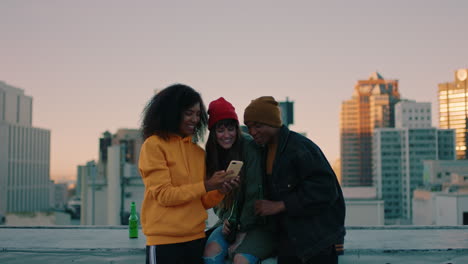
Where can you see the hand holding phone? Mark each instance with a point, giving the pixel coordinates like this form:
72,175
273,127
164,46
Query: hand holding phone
235,166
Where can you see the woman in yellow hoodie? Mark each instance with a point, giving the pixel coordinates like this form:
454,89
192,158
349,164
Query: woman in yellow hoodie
172,166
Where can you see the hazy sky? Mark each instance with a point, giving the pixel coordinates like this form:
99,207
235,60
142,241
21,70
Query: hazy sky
91,66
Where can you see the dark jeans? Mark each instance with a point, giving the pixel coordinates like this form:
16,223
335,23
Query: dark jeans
180,253
327,256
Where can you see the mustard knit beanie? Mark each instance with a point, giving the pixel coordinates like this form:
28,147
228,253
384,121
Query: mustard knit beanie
263,110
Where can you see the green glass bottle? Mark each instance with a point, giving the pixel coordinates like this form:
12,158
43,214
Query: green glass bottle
133,222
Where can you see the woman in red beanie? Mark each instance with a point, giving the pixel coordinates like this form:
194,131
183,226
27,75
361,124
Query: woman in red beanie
240,233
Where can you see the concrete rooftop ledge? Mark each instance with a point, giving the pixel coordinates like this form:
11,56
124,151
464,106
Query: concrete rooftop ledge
110,244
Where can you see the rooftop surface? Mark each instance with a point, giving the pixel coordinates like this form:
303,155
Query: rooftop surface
94,244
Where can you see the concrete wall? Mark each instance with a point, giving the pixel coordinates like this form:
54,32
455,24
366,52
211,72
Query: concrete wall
100,205
446,210
424,211
60,195
363,245
437,208
364,213
38,218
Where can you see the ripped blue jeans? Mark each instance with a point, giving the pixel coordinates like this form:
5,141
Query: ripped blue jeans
217,237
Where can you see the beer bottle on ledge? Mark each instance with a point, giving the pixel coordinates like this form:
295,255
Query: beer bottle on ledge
133,222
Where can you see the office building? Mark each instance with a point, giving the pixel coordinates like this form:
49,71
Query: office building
453,109
24,156
371,106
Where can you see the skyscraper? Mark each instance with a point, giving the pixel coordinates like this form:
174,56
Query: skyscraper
371,106
398,155
24,155
453,109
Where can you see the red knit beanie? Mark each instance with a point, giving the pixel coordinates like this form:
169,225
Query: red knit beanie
220,109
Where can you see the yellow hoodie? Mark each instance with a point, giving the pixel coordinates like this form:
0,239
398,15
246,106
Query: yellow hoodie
175,201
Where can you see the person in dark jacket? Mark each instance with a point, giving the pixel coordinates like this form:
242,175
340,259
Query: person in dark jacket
304,196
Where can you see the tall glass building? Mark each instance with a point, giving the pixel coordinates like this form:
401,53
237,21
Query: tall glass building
453,109
398,155
398,164
371,106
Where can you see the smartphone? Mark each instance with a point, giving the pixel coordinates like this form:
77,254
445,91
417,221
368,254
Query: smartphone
235,166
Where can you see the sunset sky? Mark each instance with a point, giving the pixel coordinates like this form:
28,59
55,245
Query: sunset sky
91,66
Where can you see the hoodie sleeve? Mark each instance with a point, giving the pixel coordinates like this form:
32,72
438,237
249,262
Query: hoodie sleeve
157,178
211,199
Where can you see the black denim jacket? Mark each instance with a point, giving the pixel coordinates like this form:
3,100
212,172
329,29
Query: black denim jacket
305,181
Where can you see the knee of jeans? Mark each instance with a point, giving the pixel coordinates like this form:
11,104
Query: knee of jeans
212,249
213,257
241,258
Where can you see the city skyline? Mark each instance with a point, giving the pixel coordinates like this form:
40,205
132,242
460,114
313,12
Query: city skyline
92,66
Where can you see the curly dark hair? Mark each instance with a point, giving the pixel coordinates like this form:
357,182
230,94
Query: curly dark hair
163,113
